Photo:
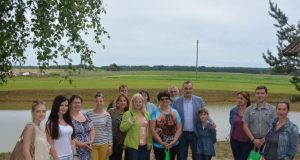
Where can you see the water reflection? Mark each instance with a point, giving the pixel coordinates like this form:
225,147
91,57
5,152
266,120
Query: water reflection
12,123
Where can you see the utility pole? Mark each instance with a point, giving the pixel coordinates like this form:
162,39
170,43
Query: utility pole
197,61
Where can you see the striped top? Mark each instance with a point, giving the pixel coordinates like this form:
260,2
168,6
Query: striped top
102,126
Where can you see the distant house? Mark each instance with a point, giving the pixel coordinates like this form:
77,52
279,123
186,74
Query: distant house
26,74
293,49
23,74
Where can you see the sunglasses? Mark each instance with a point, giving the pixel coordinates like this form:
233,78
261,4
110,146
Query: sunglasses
164,99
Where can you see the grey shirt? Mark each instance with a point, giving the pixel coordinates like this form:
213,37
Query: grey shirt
259,120
103,127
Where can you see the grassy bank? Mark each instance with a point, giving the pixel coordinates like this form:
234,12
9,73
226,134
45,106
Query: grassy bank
223,152
23,99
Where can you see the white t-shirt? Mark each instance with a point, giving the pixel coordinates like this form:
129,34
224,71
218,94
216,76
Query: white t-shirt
63,145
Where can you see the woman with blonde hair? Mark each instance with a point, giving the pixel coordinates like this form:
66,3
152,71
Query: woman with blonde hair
34,132
136,123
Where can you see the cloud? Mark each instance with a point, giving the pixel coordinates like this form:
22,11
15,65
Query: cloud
230,33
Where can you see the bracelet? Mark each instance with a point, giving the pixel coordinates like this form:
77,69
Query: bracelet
75,155
252,139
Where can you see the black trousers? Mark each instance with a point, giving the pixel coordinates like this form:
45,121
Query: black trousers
160,153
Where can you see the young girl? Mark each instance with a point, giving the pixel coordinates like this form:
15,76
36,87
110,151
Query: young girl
136,123
102,146
60,131
206,136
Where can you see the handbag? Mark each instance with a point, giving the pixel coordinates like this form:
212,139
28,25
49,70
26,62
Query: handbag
254,155
17,153
167,154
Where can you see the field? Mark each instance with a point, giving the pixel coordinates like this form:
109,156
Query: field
218,88
19,92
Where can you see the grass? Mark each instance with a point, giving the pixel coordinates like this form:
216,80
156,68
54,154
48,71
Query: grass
19,92
155,79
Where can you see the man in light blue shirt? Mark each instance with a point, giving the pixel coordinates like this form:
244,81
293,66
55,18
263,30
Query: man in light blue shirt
188,106
188,114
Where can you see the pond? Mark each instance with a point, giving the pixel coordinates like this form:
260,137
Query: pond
12,123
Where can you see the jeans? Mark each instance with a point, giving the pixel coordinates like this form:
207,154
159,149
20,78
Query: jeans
141,153
240,150
118,152
160,152
187,139
204,157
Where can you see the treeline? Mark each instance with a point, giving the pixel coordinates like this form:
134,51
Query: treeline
114,67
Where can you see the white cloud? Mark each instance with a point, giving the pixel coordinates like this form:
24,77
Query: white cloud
230,33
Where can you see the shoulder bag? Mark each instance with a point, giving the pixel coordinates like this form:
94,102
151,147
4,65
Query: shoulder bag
17,153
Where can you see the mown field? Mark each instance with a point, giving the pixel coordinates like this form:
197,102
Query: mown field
19,92
218,88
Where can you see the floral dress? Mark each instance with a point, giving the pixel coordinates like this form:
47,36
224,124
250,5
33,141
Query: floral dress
82,132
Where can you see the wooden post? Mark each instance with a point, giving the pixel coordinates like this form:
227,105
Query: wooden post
197,61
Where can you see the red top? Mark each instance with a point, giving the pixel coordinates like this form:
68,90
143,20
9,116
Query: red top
238,131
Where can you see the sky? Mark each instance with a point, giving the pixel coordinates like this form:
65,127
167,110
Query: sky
231,33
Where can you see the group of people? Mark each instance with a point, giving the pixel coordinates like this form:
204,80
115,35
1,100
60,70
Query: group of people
262,127
131,129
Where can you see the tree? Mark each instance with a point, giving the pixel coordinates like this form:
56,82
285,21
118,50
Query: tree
53,28
113,67
286,34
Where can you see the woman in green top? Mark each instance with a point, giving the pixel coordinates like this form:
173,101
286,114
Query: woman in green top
136,123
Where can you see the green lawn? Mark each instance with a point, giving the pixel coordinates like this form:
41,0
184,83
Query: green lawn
19,92
155,79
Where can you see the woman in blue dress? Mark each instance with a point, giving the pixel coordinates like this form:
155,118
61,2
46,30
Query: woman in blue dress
84,130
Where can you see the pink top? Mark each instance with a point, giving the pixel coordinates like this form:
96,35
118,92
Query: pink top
143,131
238,132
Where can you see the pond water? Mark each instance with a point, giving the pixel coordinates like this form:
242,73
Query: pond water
12,123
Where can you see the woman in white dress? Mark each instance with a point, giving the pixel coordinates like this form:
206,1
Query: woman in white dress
41,144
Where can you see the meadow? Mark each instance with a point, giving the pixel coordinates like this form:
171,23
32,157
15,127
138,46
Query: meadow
20,91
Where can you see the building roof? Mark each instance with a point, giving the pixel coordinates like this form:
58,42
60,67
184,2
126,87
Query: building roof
293,48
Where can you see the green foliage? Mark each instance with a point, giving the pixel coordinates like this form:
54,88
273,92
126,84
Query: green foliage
53,28
286,34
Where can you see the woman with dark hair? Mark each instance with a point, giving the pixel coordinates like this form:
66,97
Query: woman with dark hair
150,107
166,127
282,139
116,114
239,141
60,131
84,130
